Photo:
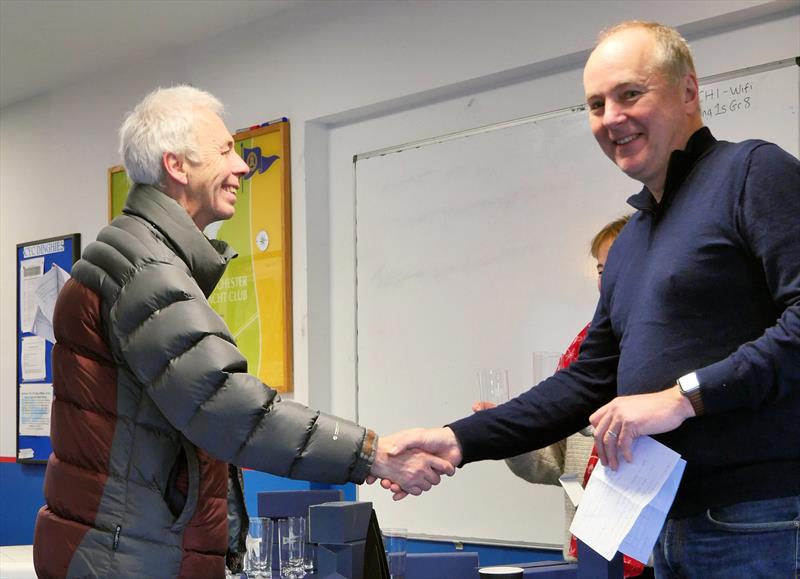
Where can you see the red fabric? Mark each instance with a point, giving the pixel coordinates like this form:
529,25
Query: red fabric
83,422
61,537
82,425
207,532
573,350
631,567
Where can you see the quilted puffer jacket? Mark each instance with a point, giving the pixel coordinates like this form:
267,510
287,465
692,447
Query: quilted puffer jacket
152,400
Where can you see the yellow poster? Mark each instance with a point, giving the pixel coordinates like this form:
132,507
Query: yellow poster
254,295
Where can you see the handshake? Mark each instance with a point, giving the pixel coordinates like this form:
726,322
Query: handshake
412,461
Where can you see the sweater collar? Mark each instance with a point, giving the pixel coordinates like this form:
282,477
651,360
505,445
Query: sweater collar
205,258
681,163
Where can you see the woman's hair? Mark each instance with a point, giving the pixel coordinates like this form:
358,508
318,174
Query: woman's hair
609,231
163,122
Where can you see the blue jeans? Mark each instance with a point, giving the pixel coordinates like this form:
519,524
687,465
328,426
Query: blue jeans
743,541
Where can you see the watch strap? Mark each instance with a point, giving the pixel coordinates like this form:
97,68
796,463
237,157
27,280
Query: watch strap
690,388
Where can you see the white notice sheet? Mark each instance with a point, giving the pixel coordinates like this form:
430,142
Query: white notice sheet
30,274
624,510
35,401
32,358
46,296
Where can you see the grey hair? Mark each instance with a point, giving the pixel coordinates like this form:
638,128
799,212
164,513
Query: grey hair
673,55
163,122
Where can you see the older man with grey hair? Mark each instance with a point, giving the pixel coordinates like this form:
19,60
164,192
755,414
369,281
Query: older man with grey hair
153,407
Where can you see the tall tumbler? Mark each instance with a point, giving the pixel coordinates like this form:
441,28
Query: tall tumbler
259,547
394,541
291,543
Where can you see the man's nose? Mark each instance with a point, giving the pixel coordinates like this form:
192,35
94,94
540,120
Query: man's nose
240,168
613,114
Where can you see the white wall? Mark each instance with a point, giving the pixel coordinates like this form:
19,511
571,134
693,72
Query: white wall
320,64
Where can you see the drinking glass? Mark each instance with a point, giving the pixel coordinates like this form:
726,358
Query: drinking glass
493,385
394,541
259,547
310,564
291,542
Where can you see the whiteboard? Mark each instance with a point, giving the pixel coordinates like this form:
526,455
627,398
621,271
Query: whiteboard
472,253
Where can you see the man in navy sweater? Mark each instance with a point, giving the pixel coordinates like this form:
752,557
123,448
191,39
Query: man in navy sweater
696,337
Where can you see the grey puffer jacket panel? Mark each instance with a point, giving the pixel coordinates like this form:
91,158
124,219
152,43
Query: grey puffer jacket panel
163,329
152,399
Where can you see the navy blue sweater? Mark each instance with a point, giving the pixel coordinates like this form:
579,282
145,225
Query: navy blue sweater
707,280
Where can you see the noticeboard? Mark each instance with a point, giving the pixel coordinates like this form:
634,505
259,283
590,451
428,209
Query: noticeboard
43,267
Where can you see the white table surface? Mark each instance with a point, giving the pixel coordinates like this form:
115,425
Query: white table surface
16,562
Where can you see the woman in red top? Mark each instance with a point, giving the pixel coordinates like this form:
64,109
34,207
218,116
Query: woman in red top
575,454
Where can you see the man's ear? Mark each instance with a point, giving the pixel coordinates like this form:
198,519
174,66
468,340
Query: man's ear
175,167
691,91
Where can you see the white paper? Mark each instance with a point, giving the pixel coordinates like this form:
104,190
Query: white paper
35,401
624,510
43,327
31,272
33,358
639,541
573,487
52,283
46,296
25,453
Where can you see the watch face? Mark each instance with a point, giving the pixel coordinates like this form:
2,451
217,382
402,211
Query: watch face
688,383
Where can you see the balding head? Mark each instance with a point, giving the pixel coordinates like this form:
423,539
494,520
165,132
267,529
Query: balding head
672,55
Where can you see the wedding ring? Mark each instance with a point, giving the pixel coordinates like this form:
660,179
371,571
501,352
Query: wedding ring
612,433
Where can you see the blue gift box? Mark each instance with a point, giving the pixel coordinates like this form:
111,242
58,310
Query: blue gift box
281,504
550,570
341,561
462,565
339,522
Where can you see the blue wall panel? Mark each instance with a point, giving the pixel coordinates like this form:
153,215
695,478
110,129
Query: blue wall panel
21,496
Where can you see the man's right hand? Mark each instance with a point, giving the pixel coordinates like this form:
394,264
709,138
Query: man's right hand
405,469
441,442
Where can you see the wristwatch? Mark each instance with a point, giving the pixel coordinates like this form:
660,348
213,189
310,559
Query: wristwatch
690,388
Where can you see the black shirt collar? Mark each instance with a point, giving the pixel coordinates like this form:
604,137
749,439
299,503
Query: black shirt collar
681,163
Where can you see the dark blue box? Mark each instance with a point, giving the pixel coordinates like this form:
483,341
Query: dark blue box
341,561
461,565
281,504
549,570
339,522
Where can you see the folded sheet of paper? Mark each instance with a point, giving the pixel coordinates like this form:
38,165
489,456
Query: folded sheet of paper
46,295
573,487
624,510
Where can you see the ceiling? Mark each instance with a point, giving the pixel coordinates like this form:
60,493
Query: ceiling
46,44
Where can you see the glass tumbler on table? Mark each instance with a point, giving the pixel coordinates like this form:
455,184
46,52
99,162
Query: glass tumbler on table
259,547
291,544
394,541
